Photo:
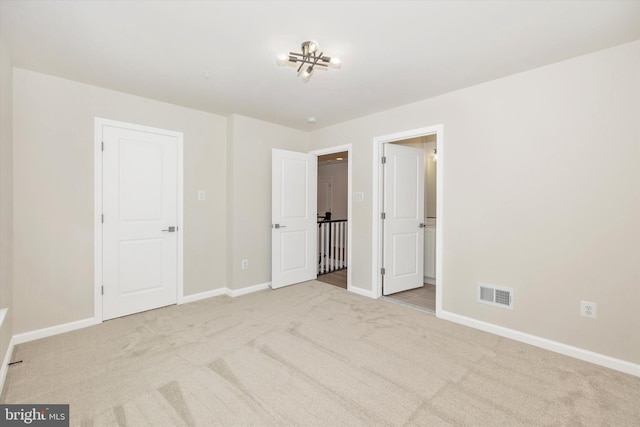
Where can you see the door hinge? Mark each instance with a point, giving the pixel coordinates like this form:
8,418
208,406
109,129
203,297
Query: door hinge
383,215
102,218
382,271
102,146
384,159
102,290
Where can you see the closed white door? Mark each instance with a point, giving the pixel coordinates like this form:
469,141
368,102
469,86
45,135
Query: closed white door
293,215
140,206
404,218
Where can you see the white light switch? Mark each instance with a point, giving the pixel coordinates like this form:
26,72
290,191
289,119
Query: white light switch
202,195
358,196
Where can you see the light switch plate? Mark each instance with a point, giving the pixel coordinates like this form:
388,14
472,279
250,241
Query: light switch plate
202,195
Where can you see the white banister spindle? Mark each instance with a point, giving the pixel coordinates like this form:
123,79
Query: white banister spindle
343,239
332,246
327,254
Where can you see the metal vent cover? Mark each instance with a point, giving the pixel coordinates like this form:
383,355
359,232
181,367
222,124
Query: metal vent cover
497,296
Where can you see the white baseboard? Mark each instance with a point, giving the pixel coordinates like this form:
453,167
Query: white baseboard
249,289
79,324
363,292
5,363
202,295
557,347
54,330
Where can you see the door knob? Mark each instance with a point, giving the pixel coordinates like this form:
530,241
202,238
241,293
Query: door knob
279,226
170,229
422,225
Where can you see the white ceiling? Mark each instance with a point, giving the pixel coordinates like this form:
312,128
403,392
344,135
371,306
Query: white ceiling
393,52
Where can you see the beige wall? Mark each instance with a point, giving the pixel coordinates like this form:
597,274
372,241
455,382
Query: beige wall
541,194
249,202
339,173
54,196
6,195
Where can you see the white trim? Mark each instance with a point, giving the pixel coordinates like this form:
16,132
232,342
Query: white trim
202,295
97,221
224,291
5,363
376,208
79,324
248,290
97,260
3,313
54,330
556,347
348,149
363,292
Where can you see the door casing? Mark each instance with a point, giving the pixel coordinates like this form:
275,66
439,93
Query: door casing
99,123
377,208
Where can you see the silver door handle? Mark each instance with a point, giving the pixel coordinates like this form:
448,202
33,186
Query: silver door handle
279,226
170,229
422,225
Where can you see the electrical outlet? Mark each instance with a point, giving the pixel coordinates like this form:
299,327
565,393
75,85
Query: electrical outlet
245,264
588,309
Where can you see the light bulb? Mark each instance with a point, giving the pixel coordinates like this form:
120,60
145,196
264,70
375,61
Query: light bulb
306,74
282,60
335,62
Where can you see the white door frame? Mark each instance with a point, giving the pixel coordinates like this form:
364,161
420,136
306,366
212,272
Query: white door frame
97,226
338,149
376,204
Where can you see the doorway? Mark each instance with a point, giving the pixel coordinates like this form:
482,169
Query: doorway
332,218
138,230
334,215
428,295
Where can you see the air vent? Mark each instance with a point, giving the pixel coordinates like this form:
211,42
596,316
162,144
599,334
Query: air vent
495,295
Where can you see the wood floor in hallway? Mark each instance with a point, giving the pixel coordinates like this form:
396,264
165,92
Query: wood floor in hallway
424,297
337,278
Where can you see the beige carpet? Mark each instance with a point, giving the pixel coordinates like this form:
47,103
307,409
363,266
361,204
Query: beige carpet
311,354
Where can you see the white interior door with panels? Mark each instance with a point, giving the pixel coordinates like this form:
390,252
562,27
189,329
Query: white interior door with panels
293,217
140,220
403,223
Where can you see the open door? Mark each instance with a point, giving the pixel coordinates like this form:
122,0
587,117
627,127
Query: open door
293,217
403,246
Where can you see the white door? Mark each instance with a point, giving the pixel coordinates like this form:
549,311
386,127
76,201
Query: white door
293,217
140,206
404,218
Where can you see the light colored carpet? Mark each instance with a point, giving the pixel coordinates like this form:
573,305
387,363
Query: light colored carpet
310,354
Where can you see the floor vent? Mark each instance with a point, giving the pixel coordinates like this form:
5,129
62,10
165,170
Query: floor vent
495,295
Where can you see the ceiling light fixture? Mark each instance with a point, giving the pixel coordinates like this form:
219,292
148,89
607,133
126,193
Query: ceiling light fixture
308,60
